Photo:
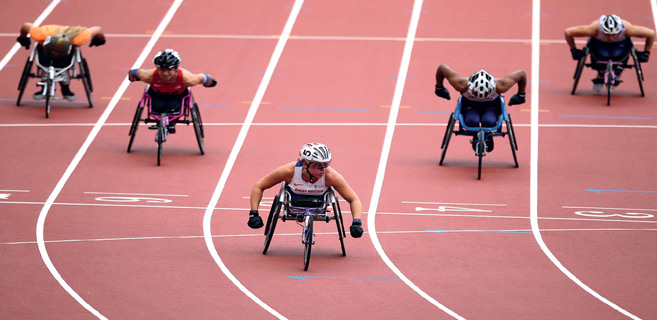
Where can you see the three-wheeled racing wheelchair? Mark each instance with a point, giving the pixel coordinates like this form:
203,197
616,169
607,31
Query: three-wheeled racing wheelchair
609,66
304,210
165,114
480,135
50,71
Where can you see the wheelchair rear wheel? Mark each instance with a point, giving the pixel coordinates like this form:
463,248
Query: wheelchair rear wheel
308,236
578,72
25,76
340,224
512,140
86,81
274,213
135,125
198,127
448,135
639,72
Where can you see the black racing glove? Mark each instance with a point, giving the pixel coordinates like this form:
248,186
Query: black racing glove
24,41
442,92
97,42
356,228
577,53
255,222
643,56
210,84
517,99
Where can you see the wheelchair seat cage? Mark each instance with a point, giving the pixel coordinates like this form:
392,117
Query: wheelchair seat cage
480,134
164,122
49,75
304,210
611,65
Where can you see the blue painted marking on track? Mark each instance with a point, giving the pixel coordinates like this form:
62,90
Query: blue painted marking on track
632,191
439,112
604,117
476,231
325,109
320,277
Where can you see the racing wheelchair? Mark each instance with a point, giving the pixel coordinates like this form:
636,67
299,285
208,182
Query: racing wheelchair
165,120
479,134
611,65
73,66
305,210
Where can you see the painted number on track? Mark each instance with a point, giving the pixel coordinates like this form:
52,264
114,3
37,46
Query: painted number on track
133,199
602,214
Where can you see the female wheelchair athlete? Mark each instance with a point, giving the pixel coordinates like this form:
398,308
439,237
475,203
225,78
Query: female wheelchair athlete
49,73
304,210
186,111
609,65
480,134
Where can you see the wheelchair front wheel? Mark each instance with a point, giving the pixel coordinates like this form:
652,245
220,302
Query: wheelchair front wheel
49,84
481,148
274,213
160,140
308,236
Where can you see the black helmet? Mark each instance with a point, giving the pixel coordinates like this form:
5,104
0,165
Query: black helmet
166,59
57,45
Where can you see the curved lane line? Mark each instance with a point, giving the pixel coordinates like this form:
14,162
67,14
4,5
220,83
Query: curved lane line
76,160
207,218
533,180
385,152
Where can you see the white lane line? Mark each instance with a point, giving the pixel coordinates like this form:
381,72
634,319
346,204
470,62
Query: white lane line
533,198
456,204
139,194
317,233
603,208
385,152
36,22
76,160
207,219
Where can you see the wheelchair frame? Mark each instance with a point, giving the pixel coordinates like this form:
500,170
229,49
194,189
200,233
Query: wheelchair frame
479,134
49,76
163,122
609,74
304,216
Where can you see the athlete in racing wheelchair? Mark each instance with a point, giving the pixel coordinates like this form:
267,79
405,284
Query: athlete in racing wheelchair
59,59
481,110
168,98
610,47
307,191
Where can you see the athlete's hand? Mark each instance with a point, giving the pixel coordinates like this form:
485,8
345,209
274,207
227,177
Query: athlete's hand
577,53
210,84
517,99
356,228
24,41
442,92
643,56
97,42
255,221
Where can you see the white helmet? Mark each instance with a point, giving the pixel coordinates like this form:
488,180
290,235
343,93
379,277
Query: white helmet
481,84
315,152
610,24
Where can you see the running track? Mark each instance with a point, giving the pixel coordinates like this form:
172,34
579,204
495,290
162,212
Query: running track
90,231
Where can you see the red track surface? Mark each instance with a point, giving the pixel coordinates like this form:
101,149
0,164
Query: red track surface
470,248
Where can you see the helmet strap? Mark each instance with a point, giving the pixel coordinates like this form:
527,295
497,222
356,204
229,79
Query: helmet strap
310,175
